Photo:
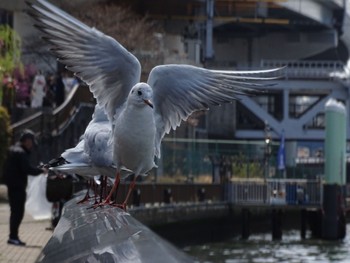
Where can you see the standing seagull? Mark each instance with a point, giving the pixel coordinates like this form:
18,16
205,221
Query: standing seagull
140,113
92,156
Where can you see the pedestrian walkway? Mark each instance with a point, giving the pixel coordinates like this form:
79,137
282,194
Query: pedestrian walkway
31,231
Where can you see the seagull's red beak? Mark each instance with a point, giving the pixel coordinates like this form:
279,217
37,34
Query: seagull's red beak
149,103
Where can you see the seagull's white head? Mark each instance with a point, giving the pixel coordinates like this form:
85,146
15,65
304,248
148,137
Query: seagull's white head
141,94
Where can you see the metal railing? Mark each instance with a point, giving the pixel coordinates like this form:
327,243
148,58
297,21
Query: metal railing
275,192
60,128
53,121
309,69
293,69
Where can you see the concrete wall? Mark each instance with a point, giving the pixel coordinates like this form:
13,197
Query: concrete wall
281,46
293,46
230,51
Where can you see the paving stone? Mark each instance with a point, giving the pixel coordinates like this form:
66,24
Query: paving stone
31,231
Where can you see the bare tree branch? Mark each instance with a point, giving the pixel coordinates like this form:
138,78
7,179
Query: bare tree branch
137,34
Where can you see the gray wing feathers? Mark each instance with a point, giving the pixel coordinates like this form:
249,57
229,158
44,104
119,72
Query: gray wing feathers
76,154
179,90
99,60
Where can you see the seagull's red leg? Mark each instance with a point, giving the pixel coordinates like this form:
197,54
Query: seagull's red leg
94,186
105,181
114,188
102,188
115,197
87,196
131,187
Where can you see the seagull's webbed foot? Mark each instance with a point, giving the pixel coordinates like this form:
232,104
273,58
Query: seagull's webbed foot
85,199
87,195
121,206
108,200
101,204
124,204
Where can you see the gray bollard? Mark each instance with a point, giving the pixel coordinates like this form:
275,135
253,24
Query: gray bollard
136,200
201,194
167,196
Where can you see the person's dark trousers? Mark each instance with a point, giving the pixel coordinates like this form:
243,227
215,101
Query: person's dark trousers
17,199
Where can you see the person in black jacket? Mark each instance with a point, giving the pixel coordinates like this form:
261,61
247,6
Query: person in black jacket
16,170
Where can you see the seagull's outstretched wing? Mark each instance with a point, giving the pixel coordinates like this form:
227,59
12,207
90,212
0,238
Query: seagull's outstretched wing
99,60
179,90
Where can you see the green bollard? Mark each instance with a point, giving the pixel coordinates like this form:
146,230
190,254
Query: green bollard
333,227
335,144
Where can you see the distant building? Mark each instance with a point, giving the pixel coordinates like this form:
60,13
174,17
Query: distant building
306,36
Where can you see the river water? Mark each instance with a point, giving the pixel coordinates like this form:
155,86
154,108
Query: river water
259,248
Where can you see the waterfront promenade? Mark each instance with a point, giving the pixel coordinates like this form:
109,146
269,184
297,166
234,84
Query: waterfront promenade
33,232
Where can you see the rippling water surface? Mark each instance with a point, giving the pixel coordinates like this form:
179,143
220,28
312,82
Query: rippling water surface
261,249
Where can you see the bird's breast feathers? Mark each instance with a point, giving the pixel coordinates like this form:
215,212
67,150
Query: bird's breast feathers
134,143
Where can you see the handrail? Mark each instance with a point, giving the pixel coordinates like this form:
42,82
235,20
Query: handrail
27,123
52,121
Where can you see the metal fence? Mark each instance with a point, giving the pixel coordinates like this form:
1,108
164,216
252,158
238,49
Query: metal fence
217,158
57,129
275,192
220,161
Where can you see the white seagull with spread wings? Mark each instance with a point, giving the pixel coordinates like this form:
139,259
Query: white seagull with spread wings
140,113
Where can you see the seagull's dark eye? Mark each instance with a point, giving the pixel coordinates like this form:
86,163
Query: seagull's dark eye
139,92
132,91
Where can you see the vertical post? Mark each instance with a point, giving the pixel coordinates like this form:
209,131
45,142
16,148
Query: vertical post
209,53
285,104
315,217
303,219
276,224
245,223
333,227
167,196
136,200
267,149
